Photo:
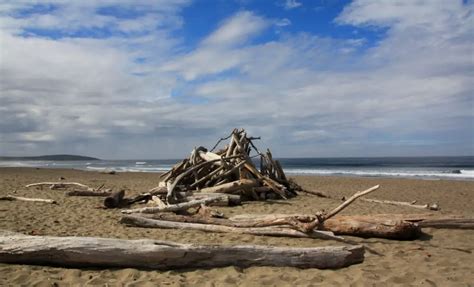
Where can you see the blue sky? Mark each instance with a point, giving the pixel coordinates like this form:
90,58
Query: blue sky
153,79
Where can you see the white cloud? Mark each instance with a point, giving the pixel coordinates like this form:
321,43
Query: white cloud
236,30
283,22
410,93
291,4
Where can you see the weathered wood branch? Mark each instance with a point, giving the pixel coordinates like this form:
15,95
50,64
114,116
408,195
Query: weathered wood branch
349,201
139,221
170,196
19,198
281,222
58,184
154,254
317,193
88,193
433,206
173,207
224,199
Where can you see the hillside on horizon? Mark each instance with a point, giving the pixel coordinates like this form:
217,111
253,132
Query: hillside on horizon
49,157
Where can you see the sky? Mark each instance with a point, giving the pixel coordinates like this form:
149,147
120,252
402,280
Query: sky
135,79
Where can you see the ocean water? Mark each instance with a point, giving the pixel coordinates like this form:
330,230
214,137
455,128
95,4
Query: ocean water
403,167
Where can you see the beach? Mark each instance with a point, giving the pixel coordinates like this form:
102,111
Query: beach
442,257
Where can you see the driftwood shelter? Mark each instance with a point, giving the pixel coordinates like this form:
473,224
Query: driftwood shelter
186,198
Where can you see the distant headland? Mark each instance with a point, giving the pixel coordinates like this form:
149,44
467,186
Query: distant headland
49,157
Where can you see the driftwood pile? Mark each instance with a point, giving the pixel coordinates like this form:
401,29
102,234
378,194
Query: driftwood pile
229,170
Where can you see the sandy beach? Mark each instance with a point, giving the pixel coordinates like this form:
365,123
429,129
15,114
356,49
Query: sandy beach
441,258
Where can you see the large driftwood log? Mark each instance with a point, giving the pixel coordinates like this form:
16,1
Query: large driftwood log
432,206
173,207
371,226
282,222
139,221
361,226
19,198
153,254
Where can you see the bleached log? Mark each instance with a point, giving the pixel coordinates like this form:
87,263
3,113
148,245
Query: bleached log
58,184
172,207
448,223
258,216
164,255
88,193
433,206
279,222
231,187
210,156
225,199
139,221
19,198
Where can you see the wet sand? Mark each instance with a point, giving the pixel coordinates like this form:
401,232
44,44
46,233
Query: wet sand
444,258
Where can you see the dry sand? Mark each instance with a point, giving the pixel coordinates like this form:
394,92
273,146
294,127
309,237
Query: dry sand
445,259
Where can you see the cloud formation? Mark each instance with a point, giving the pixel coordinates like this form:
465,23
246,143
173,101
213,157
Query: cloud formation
131,88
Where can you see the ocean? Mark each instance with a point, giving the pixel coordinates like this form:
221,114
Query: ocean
399,167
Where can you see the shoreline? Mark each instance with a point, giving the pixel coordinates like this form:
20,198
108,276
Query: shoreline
287,172
444,259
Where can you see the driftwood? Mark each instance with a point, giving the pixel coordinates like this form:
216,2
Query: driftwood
153,254
434,220
228,170
55,185
361,226
115,200
224,199
88,193
286,226
349,201
317,193
139,221
19,198
282,222
232,187
448,223
321,217
173,207
433,206
371,226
